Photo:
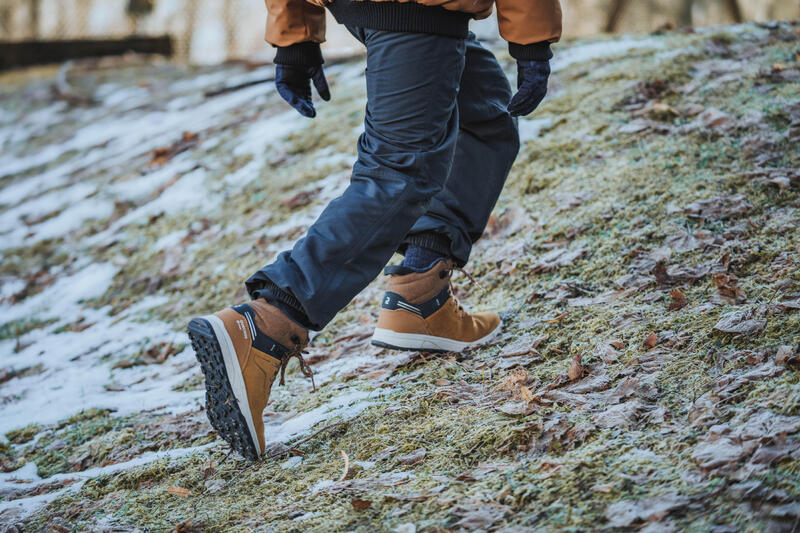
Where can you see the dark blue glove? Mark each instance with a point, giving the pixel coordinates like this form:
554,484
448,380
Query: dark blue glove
294,85
532,79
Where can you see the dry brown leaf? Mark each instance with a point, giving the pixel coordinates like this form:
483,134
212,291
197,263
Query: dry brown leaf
189,526
360,505
617,343
576,369
728,288
179,491
651,340
678,300
513,381
526,394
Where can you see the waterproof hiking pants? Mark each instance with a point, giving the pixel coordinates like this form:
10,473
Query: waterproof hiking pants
436,149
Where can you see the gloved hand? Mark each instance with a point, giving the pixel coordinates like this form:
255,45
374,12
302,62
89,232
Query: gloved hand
294,85
532,79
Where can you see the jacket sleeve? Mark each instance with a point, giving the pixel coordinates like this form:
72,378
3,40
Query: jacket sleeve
525,22
294,21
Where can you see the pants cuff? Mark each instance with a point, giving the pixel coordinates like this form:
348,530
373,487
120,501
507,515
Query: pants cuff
436,242
281,299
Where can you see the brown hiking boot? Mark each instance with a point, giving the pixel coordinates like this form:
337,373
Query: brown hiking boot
241,350
420,313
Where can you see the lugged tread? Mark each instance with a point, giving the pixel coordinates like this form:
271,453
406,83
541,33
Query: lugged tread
221,405
381,344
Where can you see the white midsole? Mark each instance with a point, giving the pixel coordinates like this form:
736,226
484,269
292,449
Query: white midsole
234,371
417,341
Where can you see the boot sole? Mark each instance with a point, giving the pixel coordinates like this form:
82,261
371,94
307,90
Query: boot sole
394,340
226,396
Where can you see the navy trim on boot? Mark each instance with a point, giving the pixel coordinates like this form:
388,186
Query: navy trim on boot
394,302
262,342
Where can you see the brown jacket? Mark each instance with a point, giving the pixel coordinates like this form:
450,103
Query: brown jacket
521,21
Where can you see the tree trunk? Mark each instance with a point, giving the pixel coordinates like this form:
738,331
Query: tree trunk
34,8
685,16
734,10
615,12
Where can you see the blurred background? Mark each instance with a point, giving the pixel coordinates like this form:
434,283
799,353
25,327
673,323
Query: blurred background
214,31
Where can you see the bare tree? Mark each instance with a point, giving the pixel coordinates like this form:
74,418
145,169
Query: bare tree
734,10
229,16
615,11
34,7
685,14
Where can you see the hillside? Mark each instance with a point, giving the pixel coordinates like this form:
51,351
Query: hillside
644,256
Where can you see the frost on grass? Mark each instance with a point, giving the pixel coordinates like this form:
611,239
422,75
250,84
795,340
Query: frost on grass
644,255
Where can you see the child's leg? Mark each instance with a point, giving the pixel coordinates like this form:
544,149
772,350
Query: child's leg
487,145
405,155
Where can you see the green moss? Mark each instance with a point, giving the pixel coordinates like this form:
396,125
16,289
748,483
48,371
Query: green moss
23,435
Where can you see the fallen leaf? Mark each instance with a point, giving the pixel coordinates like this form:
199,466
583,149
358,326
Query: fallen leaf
619,416
179,491
558,258
164,154
526,394
741,322
728,289
786,355
576,369
417,456
719,207
617,343
360,505
301,199
629,512
189,526
513,381
651,340
678,300
515,408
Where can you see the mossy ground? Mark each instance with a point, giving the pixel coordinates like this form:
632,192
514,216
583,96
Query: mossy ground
586,183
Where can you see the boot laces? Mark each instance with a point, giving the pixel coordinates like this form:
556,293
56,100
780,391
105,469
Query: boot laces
304,367
445,273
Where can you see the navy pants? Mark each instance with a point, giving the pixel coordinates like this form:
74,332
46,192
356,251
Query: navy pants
436,149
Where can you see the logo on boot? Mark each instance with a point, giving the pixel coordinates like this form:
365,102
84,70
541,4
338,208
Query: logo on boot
242,328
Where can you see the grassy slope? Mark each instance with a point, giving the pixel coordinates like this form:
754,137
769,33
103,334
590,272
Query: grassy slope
630,432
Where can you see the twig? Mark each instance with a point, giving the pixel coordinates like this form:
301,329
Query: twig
346,467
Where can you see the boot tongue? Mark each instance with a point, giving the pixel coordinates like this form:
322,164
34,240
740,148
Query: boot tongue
273,323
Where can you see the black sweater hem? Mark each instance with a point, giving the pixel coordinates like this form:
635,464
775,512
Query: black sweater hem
401,17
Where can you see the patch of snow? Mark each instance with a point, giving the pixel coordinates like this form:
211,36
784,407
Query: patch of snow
72,219
530,128
10,287
601,49
25,506
291,462
77,365
170,240
346,405
262,134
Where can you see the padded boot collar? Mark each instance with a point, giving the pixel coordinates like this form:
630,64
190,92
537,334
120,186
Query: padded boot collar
419,287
